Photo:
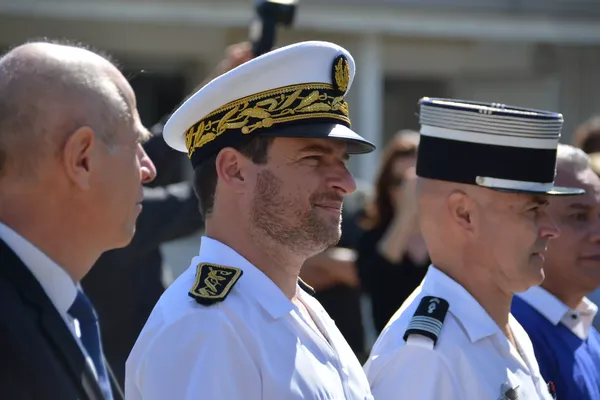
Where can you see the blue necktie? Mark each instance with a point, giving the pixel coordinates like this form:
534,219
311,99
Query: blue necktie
84,312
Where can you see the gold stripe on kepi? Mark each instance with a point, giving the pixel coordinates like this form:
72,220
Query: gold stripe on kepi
213,282
264,110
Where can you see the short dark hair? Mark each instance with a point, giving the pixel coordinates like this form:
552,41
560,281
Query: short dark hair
205,174
587,135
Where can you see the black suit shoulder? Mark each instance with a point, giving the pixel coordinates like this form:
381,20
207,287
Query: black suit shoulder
29,366
39,358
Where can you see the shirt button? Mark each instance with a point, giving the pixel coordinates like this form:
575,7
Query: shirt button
574,316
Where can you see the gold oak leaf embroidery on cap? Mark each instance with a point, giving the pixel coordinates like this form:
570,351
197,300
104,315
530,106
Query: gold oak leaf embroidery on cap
341,73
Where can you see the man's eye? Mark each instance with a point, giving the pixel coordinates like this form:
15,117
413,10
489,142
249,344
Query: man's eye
581,217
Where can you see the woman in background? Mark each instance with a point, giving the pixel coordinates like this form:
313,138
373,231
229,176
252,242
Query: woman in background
392,257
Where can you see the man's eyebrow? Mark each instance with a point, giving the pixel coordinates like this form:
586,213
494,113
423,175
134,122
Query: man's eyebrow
580,206
314,147
538,201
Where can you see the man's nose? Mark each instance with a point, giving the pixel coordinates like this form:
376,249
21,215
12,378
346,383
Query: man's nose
343,181
548,228
147,168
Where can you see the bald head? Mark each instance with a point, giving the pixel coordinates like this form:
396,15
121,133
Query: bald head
47,91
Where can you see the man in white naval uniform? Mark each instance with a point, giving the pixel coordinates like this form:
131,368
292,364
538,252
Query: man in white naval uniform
269,142
485,172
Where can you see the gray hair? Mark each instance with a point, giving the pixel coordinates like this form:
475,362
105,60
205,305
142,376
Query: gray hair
567,155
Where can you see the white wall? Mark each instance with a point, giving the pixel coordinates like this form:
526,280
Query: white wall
563,78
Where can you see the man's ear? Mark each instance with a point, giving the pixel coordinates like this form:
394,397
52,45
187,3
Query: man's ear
77,156
460,207
231,167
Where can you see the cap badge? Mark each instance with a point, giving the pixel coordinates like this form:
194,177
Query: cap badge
341,73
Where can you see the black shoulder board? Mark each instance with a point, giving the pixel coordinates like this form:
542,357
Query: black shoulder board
213,282
428,318
306,287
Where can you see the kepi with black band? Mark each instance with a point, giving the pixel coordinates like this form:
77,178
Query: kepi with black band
490,145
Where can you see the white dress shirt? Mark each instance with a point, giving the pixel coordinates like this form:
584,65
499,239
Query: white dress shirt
55,281
253,345
594,297
579,320
472,359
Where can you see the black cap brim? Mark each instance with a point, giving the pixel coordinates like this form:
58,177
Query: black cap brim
325,130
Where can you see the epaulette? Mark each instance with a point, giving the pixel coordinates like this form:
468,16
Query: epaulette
428,319
213,283
306,287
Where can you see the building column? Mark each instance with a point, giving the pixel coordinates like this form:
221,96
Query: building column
368,103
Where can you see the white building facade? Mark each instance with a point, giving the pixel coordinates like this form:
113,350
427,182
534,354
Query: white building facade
533,53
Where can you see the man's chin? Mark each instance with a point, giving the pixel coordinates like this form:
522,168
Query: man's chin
535,277
334,240
124,240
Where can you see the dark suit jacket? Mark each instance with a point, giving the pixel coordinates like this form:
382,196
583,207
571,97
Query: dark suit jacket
39,358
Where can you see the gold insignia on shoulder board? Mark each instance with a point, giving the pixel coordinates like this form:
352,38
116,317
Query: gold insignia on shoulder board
213,282
341,73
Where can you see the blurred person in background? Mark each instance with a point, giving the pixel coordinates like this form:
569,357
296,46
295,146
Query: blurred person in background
556,315
392,256
595,295
71,172
587,138
333,275
587,135
133,275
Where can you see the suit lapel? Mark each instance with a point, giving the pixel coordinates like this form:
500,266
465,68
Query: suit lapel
52,326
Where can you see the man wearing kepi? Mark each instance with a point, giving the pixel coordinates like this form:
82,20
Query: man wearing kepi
269,142
485,172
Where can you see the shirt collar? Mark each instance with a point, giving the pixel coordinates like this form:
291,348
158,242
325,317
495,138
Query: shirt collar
556,311
58,285
469,313
252,283
588,307
545,303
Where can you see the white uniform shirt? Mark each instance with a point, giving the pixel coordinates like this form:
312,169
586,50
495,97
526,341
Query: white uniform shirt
579,320
253,345
472,359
